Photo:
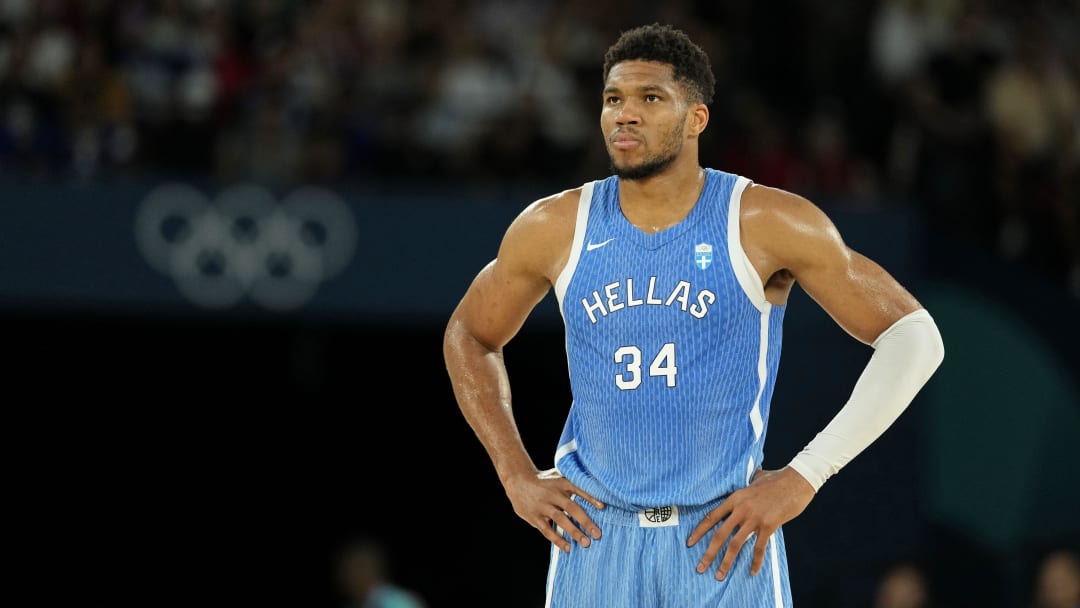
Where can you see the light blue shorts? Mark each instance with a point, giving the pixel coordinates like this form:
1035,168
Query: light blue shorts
642,561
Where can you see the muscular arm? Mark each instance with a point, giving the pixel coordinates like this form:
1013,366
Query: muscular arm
790,235
492,311
789,240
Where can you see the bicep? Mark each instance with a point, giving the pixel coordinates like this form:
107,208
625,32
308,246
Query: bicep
795,235
504,293
498,301
860,295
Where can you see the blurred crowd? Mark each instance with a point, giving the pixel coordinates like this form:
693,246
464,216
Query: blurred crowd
1052,581
968,108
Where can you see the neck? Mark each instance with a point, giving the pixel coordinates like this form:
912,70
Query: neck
679,176
663,200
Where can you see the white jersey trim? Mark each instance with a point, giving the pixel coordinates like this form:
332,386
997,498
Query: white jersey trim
563,280
553,566
563,450
778,595
740,262
756,419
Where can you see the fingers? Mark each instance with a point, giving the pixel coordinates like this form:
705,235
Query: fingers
576,511
568,488
595,502
716,543
573,520
583,520
734,531
554,534
759,553
573,528
575,491
732,552
712,518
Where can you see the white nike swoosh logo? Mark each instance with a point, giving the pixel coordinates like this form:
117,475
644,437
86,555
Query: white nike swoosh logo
591,246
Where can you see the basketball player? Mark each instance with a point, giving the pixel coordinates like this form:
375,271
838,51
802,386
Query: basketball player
672,281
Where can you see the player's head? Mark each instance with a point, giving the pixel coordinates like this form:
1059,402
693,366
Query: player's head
666,44
657,83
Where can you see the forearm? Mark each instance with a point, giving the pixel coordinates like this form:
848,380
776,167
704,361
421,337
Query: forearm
482,389
905,356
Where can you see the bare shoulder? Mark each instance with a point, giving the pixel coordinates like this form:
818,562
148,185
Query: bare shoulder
554,212
541,235
783,230
785,235
768,208
533,251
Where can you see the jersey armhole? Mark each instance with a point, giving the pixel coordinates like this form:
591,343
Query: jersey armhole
563,281
744,269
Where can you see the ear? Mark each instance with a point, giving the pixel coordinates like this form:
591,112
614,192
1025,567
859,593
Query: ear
697,119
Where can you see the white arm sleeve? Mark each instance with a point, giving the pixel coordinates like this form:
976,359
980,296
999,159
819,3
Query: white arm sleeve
905,356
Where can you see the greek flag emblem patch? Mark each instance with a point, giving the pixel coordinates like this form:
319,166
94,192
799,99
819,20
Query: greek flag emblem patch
703,255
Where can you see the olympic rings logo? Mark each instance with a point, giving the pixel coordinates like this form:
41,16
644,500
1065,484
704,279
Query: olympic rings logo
245,243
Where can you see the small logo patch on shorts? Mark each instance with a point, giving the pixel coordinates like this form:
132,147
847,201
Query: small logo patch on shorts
659,517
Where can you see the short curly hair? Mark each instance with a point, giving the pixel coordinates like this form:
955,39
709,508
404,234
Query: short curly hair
666,44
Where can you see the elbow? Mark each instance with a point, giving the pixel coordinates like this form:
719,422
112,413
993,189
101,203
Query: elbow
453,337
461,342
917,338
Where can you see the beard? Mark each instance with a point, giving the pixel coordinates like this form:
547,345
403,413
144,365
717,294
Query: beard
654,164
649,168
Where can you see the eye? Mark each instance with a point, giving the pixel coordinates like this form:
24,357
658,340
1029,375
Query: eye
611,100
652,98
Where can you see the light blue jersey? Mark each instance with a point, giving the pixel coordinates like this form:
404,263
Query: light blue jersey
673,352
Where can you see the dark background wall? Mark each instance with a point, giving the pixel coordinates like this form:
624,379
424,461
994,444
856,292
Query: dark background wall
240,447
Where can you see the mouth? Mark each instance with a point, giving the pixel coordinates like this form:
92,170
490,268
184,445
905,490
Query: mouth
625,142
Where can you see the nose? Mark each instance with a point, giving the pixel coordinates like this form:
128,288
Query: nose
627,114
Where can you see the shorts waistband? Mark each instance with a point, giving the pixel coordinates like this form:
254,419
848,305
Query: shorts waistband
652,517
